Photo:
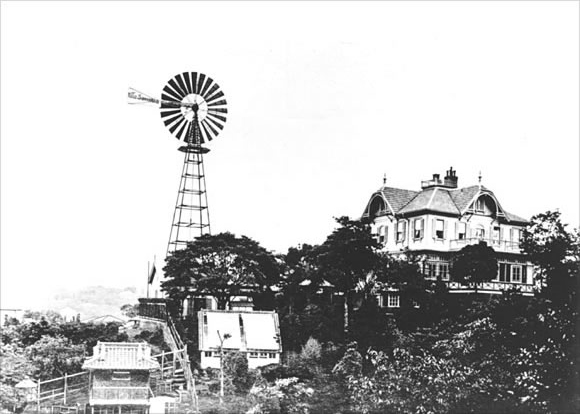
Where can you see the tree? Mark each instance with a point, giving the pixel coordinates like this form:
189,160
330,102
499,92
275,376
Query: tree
222,266
55,356
130,311
15,368
346,258
474,264
556,252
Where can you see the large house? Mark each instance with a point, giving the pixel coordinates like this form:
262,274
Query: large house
440,219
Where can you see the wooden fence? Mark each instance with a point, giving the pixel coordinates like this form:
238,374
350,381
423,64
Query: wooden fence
67,389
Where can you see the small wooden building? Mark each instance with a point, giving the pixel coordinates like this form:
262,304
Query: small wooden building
255,334
119,374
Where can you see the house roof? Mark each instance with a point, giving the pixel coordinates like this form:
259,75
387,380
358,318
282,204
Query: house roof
121,355
454,201
247,330
397,197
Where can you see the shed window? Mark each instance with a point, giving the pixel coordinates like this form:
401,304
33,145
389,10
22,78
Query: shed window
393,300
271,355
253,355
208,353
121,376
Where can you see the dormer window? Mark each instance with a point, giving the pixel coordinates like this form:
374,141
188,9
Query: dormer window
479,205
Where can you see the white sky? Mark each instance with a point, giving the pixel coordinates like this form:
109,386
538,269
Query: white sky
323,99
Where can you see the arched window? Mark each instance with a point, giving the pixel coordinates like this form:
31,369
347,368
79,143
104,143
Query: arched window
377,207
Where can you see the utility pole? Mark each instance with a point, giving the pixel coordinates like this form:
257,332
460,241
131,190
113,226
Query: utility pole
226,336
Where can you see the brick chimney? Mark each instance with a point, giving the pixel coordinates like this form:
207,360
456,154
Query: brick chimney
450,179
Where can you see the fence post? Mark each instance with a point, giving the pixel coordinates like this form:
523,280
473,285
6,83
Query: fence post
65,389
163,365
38,397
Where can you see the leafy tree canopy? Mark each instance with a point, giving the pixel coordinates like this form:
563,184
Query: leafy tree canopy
346,258
556,252
220,265
474,264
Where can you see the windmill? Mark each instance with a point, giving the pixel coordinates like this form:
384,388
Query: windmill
193,108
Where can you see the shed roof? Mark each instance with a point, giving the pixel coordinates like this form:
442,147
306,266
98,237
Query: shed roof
248,330
121,355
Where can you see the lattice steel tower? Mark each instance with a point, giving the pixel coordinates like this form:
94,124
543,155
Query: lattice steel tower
194,109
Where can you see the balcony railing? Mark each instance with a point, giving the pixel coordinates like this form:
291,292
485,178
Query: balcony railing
496,244
119,395
490,287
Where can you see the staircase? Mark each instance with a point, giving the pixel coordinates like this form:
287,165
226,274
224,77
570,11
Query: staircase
175,377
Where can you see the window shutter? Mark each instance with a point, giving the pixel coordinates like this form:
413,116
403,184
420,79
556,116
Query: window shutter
501,232
434,229
404,230
511,234
502,272
524,274
456,230
444,229
508,272
386,234
422,227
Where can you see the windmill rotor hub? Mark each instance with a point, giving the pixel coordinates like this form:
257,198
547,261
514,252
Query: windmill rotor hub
193,106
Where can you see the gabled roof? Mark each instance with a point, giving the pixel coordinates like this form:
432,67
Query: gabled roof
121,355
462,197
257,330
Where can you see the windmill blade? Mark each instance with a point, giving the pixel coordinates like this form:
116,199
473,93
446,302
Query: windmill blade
194,81
200,81
183,133
216,96
181,93
214,116
182,85
169,120
174,127
205,134
187,82
173,111
204,122
215,123
170,94
208,82
211,91
218,103
218,110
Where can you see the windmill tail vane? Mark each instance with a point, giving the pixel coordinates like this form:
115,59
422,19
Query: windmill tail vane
136,97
